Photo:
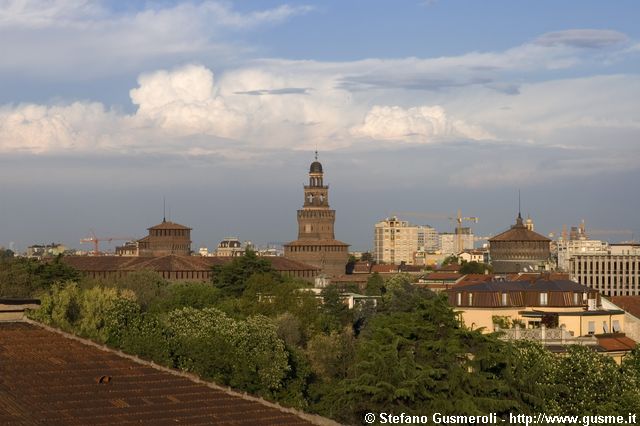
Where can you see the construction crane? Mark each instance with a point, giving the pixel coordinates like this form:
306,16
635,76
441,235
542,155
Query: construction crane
96,241
459,219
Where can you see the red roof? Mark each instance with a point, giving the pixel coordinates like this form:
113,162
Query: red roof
170,263
630,304
447,276
169,225
452,267
53,378
384,269
616,343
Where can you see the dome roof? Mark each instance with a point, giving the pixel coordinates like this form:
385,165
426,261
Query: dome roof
316,167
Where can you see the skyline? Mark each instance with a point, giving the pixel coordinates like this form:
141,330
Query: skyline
428,106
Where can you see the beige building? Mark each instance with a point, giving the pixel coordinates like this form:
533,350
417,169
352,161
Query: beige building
616,273
230,246
454,243
555,312
316,244
396,241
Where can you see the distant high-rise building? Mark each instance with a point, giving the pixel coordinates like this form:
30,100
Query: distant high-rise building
396,241
449,241
316,244
614,273
578,243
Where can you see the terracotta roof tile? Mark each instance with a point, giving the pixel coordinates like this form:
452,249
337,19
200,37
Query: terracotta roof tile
48,378
616,343
630,304
170,263
169,225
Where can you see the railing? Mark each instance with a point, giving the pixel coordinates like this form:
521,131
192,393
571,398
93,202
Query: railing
546,336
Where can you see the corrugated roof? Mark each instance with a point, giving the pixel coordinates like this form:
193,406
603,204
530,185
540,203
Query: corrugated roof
538,285
48,378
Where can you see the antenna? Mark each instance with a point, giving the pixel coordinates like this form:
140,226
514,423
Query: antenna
316,154
519,210
164,209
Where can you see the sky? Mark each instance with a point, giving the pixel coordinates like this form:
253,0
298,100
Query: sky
421,107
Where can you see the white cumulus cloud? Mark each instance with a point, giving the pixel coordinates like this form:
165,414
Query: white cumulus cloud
420,124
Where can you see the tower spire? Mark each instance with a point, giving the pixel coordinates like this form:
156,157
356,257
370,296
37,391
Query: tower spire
164,209
519,209
316,154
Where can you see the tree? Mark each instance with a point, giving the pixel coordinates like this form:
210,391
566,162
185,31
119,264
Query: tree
473,267
148,286
449,260
232,277
375,285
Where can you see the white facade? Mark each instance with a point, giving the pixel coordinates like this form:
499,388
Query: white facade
449,243
570,248
397,241
616,273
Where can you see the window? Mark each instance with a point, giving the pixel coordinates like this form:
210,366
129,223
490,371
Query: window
592,327
576,299
544,299
616,326
605,326
459,299
470,299
504,299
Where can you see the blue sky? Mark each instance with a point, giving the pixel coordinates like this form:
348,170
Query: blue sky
425,106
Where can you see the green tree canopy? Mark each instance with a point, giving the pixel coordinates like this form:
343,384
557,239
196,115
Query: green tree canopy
232,277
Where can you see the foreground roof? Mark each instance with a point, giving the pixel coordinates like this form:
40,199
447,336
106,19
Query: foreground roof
47,377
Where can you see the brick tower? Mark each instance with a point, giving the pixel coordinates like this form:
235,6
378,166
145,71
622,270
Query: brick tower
316,243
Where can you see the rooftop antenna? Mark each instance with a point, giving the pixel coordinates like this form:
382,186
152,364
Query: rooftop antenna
164,209
519,210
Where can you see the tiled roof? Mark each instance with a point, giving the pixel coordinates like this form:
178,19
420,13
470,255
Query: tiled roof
449,276
52,378
519,234
316,243
630,304
169,263
616,343
169,225
452,267
384,269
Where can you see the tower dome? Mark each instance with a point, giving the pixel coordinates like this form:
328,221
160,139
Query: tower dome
316,167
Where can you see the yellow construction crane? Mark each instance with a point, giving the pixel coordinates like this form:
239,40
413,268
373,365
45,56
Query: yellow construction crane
459,219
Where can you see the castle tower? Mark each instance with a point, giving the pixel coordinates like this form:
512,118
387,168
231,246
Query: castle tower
316,243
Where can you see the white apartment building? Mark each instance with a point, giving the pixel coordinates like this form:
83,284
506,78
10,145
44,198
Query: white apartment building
452,243
567,249
615,273
397,241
